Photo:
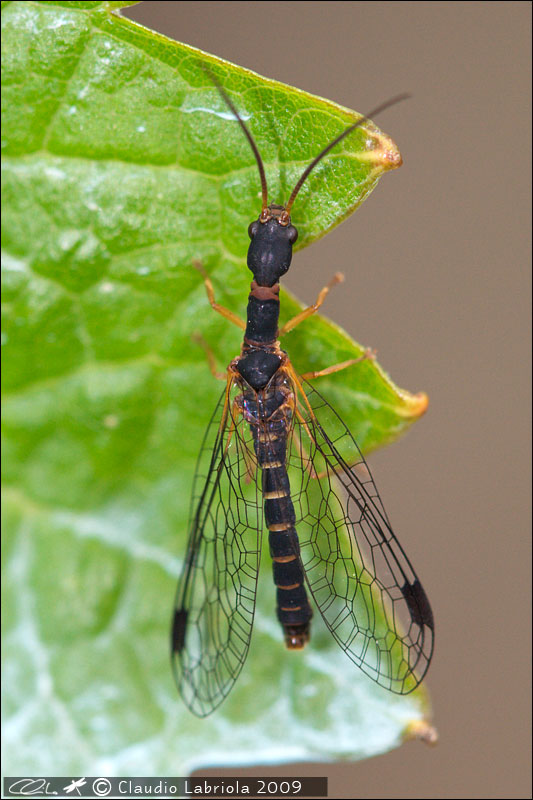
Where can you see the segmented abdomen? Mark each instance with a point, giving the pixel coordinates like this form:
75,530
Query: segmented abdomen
270,422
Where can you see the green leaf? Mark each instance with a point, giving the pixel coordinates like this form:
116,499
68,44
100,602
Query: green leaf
121,165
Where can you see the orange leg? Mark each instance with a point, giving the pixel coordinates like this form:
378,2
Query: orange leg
304,455
249,458
225,312
309,466
232,426
296,380
251,464
292,323
224,418
368,354
251,467
199,339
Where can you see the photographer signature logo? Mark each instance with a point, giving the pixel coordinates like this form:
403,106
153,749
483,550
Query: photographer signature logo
75,786
42,787
26,787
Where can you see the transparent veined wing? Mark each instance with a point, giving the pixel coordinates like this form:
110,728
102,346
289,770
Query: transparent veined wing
356,570
215,599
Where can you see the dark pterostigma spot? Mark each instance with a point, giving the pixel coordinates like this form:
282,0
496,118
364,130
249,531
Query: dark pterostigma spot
418,604
179,628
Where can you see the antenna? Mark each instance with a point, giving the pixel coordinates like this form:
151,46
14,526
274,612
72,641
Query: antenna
231,106
335,141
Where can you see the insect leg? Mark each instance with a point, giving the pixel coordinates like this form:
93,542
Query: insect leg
247,456
225,312
236,409
368,354
199,339
307,312
304,455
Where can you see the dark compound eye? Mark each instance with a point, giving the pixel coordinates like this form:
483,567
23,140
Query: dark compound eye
293,234
252,228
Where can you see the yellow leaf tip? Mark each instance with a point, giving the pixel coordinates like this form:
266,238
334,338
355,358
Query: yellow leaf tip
386,153
420,403
381,152
414,405
392,159
422,730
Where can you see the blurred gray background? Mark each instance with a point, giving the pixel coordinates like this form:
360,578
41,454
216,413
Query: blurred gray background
437,265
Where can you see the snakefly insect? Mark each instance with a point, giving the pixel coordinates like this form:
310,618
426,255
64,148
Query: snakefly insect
275,449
